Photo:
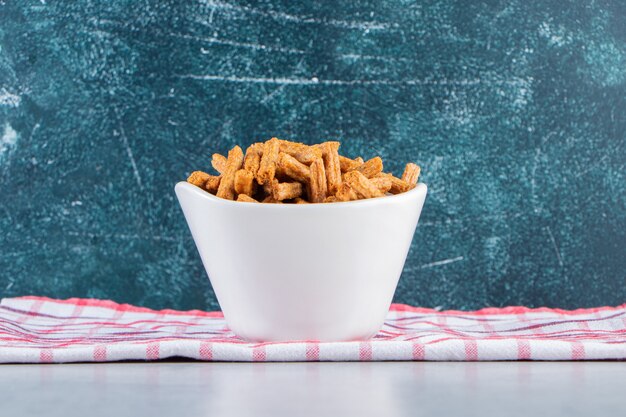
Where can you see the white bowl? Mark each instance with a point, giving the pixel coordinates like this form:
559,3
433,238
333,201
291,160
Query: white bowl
323,272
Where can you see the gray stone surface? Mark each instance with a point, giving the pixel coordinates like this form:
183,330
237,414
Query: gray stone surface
314,389
514,109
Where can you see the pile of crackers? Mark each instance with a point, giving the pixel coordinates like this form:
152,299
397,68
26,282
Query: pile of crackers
281,171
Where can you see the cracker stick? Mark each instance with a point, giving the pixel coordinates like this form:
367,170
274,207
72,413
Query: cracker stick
348,164
198,178
362,185
270,199
244,182
256,147
286,190
397,185
317,184
411,173
291,148
267,167
227,183
251,163
267,187
212,184
321,147
252,159
299,200
293,168
246,198
219,162
332,166
371,168
303,153
382,183
346,193
307,156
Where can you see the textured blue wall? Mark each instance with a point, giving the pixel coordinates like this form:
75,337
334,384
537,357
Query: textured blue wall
516,111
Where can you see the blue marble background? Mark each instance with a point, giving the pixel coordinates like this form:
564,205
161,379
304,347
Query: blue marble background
515,110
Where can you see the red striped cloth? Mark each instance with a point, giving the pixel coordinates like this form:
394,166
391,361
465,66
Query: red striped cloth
37,329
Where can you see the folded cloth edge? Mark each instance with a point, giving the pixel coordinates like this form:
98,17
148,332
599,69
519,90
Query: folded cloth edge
94,302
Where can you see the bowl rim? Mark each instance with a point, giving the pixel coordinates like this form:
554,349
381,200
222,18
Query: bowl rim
418,192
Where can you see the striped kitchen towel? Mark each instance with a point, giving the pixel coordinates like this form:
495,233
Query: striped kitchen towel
39,330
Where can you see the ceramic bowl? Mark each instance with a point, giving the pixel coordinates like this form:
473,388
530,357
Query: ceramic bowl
324,272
